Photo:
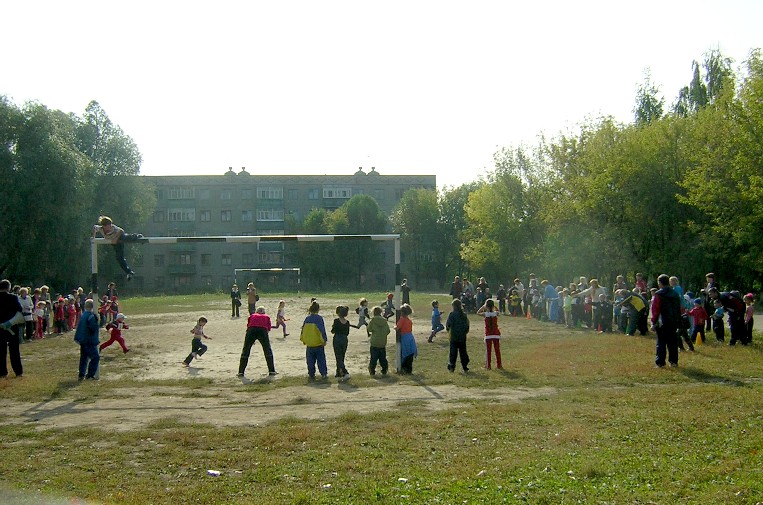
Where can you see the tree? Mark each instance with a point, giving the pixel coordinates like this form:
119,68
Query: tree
416,218
360,215
648,106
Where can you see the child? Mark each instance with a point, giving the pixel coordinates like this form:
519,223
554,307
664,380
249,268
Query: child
436,320
117,237
116,328
113,308
492,334
362,312
87,338
197,348
567,307
59,316
718,327
699,316
389,308
458,326
408,349
313,335
40,315
281,318
341,331
514,303
749,300
71,312
606,312
235,301
251,298
103,311
378,329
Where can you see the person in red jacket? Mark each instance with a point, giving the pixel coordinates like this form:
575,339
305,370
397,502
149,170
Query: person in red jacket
116,327
699,314
257,328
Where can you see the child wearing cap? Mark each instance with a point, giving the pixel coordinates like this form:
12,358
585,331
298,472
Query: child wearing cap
699,316
116,327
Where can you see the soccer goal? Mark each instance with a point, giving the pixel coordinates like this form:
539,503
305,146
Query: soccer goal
274,277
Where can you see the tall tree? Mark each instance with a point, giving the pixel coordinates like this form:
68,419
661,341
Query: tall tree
649,106
416,218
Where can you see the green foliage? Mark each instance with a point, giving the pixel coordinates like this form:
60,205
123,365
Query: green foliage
60,172
648,106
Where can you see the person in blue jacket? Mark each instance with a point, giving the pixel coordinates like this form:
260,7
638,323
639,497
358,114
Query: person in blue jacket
87,338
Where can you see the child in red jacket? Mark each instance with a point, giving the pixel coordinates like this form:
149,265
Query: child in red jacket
116,327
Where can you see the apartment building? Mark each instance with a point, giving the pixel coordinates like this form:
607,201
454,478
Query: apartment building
240,203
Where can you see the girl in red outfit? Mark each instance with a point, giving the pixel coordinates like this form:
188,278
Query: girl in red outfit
116,327
492,334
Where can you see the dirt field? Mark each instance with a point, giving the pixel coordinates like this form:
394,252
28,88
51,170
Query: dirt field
161,341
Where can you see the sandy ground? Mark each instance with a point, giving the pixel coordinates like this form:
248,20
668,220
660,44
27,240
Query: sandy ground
161,341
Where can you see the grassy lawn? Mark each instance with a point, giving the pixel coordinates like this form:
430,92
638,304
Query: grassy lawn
613,429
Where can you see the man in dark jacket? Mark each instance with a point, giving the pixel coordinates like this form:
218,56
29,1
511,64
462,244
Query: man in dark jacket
735,308
87,338
665,317
10,316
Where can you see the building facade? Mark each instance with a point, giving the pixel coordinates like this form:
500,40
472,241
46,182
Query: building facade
245,204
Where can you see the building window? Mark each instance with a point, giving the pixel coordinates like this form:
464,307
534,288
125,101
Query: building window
159,260
203,194
226,194
270,215
206,260
271,257
247,259
184,259
336,192
205,216
269,232
227,259
246,194
181,215
293,194
270,193
246,215
225,216
180,193
183,281
313,194
159,216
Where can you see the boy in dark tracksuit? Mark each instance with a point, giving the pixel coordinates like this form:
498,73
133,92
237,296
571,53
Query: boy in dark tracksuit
606,311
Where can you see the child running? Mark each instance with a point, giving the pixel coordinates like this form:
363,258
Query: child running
116,327
389,307
197,348
408,349
436,320
341,331
281,318
492,334
362,312
378,329
313,335
699,315
458,326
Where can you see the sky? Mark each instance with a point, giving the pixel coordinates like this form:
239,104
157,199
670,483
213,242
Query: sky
325,87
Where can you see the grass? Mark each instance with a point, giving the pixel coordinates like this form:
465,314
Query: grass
613,429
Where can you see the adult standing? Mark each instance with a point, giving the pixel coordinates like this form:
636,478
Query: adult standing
251,298
27,310
619,284
10,315
456,288
235,301
405,289
87,338
520,288
483,285
666,316
257,328
593,292
551,298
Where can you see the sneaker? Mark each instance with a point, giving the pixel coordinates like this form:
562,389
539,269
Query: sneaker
285,335
673,365
451,368
338,374
324,377
129,277
466,370
185,364
139,235
346,376
272,373
127,350
239,374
